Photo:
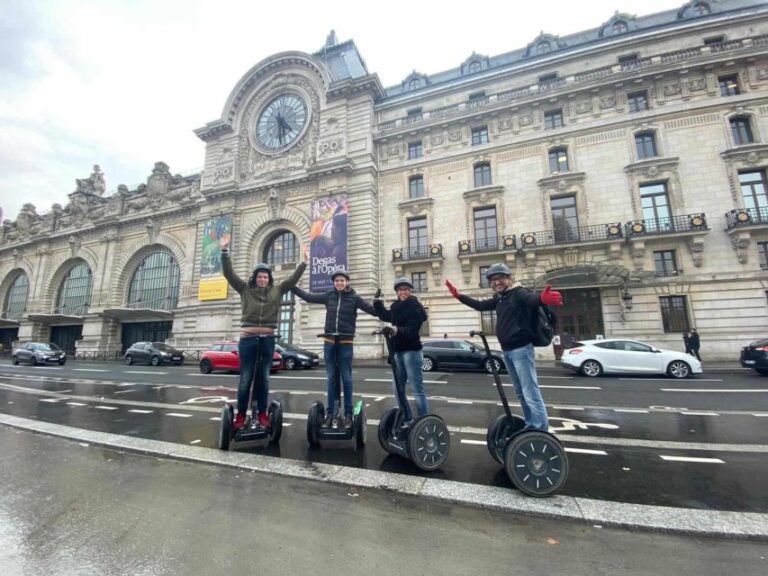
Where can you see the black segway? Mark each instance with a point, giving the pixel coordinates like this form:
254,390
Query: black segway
336,431
425,441
251,432
535,460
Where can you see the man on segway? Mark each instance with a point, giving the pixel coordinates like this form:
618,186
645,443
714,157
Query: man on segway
341,305
514,306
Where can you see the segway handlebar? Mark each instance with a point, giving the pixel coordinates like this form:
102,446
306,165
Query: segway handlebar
386,331
494,371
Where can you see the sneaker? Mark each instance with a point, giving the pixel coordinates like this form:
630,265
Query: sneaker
239,421
264,420
326,423
348,421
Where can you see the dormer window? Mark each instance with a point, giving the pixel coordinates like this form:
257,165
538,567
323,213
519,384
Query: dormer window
619,27
414,84
543,47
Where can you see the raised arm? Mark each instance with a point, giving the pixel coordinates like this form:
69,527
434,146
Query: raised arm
310,296
382,313
481,305
291,281
226,266
364,306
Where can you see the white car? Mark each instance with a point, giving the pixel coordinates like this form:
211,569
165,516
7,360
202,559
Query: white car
595,357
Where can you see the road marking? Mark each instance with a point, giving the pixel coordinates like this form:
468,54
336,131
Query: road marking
631,410
716,390
215,418
687,413
89,370
760,415
673,379
390,380
299,377
76,404
195,442
137,411
459,401
586,451
106,407
562,387
144,372
572,408
690,459
476,442
178,414
52,400
124,392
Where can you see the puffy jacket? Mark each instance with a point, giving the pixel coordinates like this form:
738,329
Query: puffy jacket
408,315
260,306
513,314
340,308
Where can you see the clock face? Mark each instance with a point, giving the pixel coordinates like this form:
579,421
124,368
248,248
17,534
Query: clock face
281,122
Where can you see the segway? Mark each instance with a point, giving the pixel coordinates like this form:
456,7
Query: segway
534,460
251,432
316,433
425,441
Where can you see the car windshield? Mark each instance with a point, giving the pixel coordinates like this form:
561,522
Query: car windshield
161,346
49,347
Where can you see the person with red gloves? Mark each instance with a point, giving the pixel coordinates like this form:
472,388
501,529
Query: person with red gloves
514,306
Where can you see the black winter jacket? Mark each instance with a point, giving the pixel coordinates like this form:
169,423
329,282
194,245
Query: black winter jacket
340,308
513,314
408,315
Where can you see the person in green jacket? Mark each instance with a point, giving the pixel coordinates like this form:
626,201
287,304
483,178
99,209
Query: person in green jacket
260,301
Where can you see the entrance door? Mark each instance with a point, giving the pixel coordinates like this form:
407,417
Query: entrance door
7,335
66,336
145,332
581,317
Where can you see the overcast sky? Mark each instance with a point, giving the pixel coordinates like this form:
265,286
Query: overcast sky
124,83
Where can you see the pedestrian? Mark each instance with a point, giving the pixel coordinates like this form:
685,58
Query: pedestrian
341,305
695,343
514,305
260,303
406,314
687,342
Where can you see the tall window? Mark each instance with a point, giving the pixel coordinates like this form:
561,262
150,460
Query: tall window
762,251
645,143
553,119
488,321
754,190
656,210
478,97
628,62
418,244
482,175
729,85
479,135
665,263
16,300
75,292
638,101
283,248
558,160
419,281
416,186
484,283
674,313
741,130
155,283
565,220
415,150
413,115
486,233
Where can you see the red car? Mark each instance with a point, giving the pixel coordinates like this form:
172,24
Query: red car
224,356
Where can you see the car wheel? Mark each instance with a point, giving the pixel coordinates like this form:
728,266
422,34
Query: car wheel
762,371
488,367
290,364
15,360
34,361
62,361
155,361
678,369
205,367
591,368
427,364
129,360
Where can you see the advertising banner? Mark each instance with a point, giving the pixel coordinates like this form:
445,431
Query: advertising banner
213,285
327,241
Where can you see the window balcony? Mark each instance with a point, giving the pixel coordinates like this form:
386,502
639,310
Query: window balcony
567,235
687,224
746,217
417,253
487,245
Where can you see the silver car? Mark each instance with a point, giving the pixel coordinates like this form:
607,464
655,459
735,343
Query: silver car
36,353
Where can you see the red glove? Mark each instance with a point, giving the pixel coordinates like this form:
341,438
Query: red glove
550,297
452,289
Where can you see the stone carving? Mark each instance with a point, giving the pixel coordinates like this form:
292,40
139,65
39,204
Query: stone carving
162,190
762,74
505,124
526,120
275,203
437,140
454,135
584,107
607,102
95,184
696,84
672,89
330,147
740,244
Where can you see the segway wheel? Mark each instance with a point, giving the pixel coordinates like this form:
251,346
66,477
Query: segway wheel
429,442
360,428
314,419
499,433
387,422
275,421
225,426
536,463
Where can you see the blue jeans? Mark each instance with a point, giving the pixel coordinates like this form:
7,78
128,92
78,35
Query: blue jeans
251,348
408,366
521,365
345,366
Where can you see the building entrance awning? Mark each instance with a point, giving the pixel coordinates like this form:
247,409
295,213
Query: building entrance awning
56,319
586,275
8,323
138,314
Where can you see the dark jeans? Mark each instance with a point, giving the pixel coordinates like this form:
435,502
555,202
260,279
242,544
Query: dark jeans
345,361
251,348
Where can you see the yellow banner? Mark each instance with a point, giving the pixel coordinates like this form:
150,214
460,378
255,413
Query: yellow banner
212,289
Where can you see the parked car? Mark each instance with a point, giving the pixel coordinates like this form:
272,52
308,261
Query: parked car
295,358
451,354
154,353
755,356
224,356
39,353
613,355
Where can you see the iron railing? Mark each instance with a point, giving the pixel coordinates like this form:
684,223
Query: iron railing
568,235
669,225
484,245
746,217
428,252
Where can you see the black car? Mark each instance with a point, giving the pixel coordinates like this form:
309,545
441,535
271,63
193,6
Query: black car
39,353
450,353
755,356
295,358
154,353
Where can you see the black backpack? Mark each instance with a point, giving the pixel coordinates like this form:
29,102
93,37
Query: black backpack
543,326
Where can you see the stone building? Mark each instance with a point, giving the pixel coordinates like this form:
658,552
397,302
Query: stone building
625,165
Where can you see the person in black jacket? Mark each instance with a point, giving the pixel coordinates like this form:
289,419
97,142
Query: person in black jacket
695,343
514,307
406,316
341,305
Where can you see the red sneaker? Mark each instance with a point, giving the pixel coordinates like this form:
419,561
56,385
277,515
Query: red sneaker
239,421
264,420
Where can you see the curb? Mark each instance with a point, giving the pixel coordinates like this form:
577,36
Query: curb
712,523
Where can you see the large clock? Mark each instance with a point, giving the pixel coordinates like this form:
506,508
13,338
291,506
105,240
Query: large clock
281,122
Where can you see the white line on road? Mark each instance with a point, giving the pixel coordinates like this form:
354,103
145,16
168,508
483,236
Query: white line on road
137,411
144,372
460,402
572,408
687,413
195,442
690,459
178,414
215,418
89,370
51,400
106,407
716,390
631,411
124,392
672,379
476,442
77,404
586,451
760,415
563,387
390,380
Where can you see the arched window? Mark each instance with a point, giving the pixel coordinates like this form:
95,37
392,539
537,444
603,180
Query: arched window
619,27
475,67
75,291
16,299
543,47
701,9
155,283
414,84
283,248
